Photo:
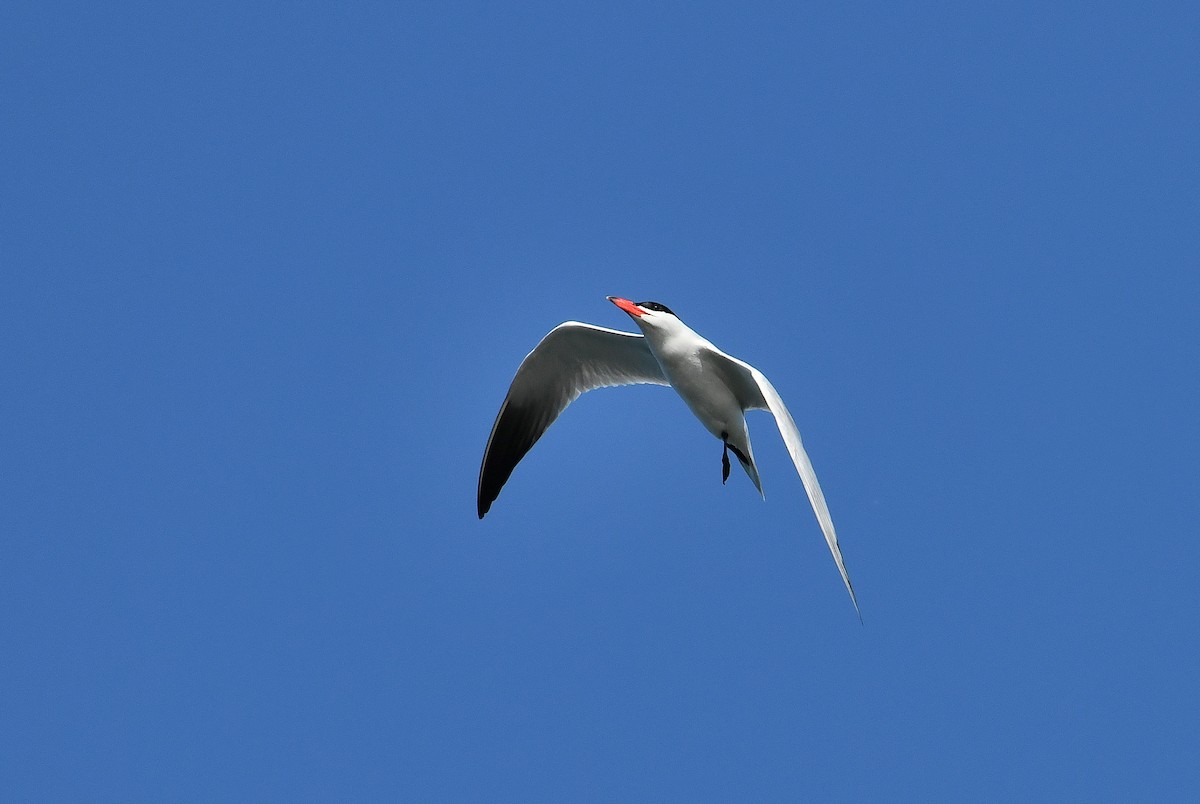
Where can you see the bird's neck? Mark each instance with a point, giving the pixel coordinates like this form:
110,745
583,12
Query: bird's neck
678,339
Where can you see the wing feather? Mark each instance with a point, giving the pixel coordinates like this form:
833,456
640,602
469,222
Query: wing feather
572,359
755,392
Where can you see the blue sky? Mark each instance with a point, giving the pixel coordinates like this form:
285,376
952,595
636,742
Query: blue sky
268,272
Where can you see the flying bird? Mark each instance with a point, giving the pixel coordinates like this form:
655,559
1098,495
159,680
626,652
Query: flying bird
574,358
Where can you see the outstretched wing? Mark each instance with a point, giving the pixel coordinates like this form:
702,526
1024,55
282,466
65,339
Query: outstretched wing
754,391
571,359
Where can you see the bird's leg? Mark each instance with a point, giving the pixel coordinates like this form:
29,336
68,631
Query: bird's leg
724,459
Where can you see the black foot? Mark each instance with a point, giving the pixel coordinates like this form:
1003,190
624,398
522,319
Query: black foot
724,464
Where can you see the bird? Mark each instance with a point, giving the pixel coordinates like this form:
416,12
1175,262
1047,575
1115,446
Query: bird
574,358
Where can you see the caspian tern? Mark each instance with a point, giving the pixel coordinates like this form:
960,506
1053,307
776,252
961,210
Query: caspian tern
575,357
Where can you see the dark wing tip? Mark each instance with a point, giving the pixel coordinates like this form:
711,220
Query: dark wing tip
516,430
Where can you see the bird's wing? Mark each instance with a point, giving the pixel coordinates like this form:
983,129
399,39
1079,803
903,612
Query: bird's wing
754,391
571,359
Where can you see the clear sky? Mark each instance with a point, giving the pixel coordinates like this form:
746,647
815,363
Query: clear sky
267,272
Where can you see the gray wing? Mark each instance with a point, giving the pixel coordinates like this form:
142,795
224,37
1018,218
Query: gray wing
755,392
572,359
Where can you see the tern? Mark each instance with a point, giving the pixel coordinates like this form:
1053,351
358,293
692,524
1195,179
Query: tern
575,357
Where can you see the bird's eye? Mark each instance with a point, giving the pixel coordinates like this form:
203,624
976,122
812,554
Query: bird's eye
656,307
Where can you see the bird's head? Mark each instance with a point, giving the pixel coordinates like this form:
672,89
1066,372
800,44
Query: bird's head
649,316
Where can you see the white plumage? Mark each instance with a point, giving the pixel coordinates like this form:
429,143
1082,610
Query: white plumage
575,358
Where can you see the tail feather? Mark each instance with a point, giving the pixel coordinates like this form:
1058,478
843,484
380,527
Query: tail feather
752,470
